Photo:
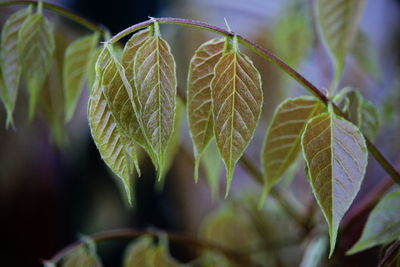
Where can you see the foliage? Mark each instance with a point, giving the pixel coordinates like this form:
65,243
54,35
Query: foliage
134,105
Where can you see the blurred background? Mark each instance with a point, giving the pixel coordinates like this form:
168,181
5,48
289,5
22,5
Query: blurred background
52,190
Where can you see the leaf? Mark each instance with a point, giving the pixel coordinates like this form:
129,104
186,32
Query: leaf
36,47
128,56
237,102
117,152
383,225
315,252
75,70
161,257
213,165
199,106
336,157
361,112
138,252
282,140
293,26
338,23
91,76
155,81
9,60
81,257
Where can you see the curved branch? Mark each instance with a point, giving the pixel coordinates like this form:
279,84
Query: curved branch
63,12
131,233
264,53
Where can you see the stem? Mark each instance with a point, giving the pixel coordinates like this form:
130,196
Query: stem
61,11
264,53
131,233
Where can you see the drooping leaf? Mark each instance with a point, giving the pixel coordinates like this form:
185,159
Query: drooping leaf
293,26
139,252
366,56
36,47
161,257
315,252
237,102
211,259
199,108
383,225
75,70
117,152
128,57
82,257
338,23
212,164
361,112
10,60
336,157
282,141
155,81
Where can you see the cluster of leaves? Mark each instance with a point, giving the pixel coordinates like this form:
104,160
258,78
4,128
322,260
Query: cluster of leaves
30,52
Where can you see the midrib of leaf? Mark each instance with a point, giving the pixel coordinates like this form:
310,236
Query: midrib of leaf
230,168
160,152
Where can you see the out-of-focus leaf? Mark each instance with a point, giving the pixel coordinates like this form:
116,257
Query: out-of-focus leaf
365,55
237,101
315,252
160,257
293,27
212,164
36,47
82,257
128,56
211,259
114,148
336,157
338,23
139,252
361,112
199,106
282,141
75,70
383,225
155,81
91,76
10,63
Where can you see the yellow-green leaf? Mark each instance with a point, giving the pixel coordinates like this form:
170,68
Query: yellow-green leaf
199,106
128,57
161,257
117,152
338,23
91,76
282,141
10,61
155,81
36,47
139,252
237,102
336,157
383,225
212,164
75,70
82,258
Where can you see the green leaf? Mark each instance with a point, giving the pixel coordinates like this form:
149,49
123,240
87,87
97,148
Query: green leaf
75,70
237,102
282,140
293,26
383,225
130,50
91,76
336,157
315,252
361,112
161,257
82,257
138,253
366,55
212,164
36,47
10,61
338,23
199,106
115,149
155,81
